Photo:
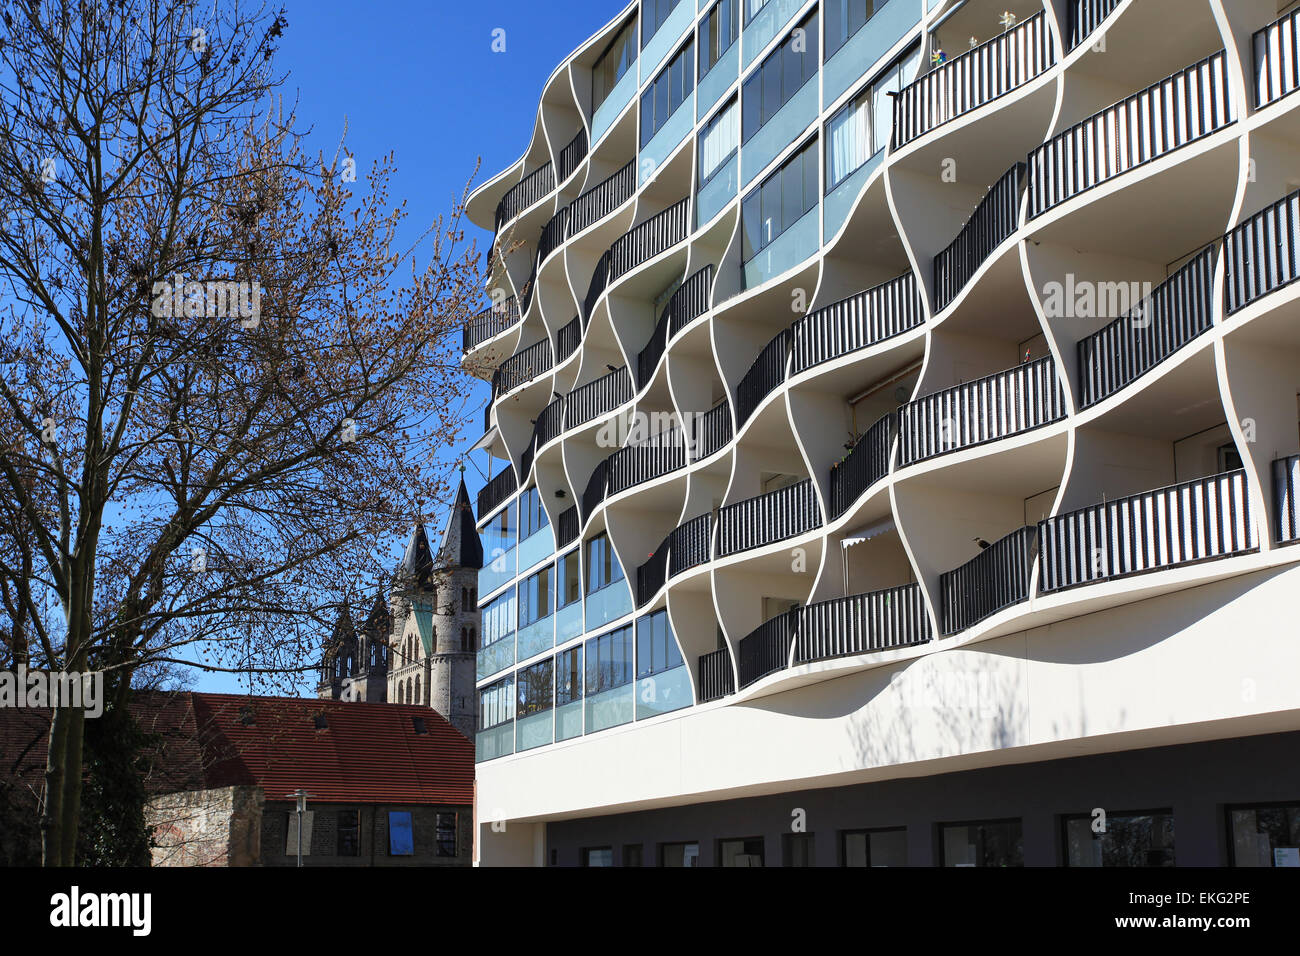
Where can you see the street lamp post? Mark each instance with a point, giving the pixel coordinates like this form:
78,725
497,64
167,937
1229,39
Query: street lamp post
301,796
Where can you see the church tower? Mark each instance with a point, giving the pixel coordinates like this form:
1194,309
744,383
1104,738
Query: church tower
435,619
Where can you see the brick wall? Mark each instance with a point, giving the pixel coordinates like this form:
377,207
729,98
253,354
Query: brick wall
372,843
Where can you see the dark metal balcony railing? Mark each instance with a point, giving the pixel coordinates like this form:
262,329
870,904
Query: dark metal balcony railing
1175,313
573,154
567,339
1263,253
594,399
491,322
499,487
766,649
1181,524
599,282
768,518
526,459
1086,16
651,575
1185,107
602,199
642,243
550,422
857,322
690,544
597,487
653,458
997,406
862,623
996,578
524,193
689,301
978,76
866,463
553,233
1277,59
764,376
521,367
992,223
566,527
1286,483
530,286
716,677
711,431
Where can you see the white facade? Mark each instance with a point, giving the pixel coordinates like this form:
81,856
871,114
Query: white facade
971,446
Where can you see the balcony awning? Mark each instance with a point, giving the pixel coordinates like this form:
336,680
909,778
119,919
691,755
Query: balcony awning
488,440
867,533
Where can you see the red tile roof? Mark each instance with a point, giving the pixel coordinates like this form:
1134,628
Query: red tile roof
368,753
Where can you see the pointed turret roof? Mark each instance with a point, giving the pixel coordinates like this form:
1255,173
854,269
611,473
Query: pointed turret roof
377,621
417,563
339,637
461,546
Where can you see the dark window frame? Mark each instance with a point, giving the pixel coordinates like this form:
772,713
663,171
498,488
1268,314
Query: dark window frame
440,834
1066,818
759,839
1228,808
867,832
771,71
352,831
706,40
755,193
941,826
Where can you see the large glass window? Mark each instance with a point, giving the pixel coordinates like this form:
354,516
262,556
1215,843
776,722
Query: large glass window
499,533
780,201
653,15
609,661
496,703
1265,835
349,833
986,843
744,852
862,127
598,856
602,564
499,618
445,833
568,580
798,849
609,68
845,18
1127,839
568,676
874,847
719,140
535,689
751,9
656,648
780,76
532,516
679,854
668,91
718,30
537,596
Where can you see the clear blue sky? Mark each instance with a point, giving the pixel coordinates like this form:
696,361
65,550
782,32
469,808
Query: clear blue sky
420,79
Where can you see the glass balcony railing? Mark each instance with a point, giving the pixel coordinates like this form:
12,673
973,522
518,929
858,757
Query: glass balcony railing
568,622
663,692
536,637
840,200
568,721
765,25
608,604
537,730
494,742
610,708
778,132
792,247
665,39
496,656
874,39
667,139
718,80
499,570
535,549
717,192
622,93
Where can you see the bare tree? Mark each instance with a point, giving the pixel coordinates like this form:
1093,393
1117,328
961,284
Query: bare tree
221,387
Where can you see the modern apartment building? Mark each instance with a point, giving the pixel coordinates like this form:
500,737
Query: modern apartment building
895,409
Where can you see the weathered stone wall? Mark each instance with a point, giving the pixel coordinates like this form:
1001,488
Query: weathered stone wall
221,827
